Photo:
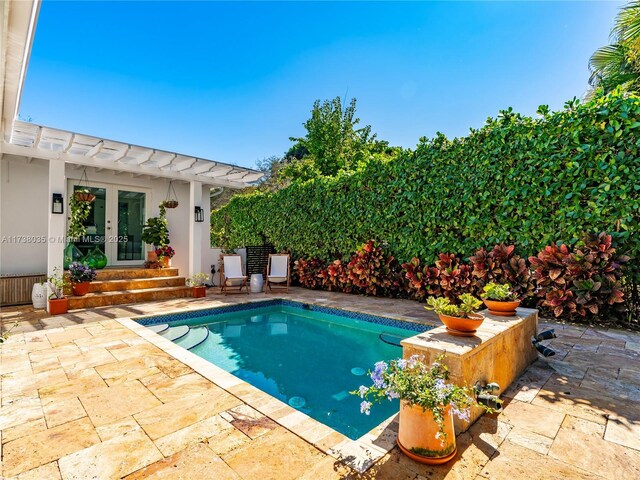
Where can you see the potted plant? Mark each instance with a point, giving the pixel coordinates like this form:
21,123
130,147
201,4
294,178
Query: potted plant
500,299
164,255
459,319
84,195
196,282
58,303
81,276
427,405
156,232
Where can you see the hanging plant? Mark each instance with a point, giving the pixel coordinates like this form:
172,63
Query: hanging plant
79,212
83,194
172,199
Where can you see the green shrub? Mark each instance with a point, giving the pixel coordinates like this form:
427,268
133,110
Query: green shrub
529,182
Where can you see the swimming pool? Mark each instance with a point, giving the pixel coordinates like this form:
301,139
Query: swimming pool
308,356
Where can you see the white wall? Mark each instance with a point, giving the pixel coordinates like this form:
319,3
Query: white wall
24,207
25,203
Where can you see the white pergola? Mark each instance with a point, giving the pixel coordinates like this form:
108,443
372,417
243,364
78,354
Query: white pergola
35,141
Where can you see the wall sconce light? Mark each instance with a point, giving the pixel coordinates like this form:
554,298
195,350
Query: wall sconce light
199,214
57,205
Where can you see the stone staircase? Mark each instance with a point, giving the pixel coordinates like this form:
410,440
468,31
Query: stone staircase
132,285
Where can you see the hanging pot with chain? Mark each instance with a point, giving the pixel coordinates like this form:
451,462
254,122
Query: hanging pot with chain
171,201
83,194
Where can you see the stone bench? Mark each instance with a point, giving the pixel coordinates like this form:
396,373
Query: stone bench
499,352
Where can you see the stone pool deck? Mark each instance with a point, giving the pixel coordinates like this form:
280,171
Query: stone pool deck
82,396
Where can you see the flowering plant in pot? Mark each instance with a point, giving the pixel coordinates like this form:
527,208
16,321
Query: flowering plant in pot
427,405
196,282
80,276
58,303
500,299
460,319
164,254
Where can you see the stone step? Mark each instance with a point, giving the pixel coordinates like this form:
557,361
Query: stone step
131,273
120,297
136,284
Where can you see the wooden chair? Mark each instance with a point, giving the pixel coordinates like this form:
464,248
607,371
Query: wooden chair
232,274
278,277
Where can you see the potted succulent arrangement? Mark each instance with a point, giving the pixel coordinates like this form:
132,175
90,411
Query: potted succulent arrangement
427,405
196,282
58,303
164,255
80,276
460,320
500,299
156,232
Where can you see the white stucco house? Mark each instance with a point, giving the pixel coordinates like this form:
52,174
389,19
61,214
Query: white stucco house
38,163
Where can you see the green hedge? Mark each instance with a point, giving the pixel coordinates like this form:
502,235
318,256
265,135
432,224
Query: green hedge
519,180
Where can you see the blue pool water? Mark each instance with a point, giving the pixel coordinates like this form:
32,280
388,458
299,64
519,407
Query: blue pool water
307,358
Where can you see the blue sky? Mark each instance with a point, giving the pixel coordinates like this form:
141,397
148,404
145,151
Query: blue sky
233,81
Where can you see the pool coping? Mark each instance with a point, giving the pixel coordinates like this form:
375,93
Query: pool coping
359,454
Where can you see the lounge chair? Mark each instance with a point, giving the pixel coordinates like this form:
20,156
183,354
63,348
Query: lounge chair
232,276
277,273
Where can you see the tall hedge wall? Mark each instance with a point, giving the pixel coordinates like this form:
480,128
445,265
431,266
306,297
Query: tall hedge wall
527,181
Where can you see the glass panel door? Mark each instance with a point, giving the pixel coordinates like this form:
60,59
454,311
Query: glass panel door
131,218
95,223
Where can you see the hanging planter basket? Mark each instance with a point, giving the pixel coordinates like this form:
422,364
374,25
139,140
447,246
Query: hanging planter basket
83,194
172,199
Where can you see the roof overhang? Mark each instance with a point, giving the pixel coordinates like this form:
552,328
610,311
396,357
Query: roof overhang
35,141
17,28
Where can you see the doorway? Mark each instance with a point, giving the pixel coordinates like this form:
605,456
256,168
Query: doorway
115,222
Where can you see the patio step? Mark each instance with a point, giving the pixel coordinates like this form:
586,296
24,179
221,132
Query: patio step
120,297
136,283
131,273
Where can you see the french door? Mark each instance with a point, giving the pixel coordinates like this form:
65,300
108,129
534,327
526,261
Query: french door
115,222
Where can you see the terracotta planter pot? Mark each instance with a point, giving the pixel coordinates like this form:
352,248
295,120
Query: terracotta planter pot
58,306
417,435
152,257
80,289
462,327
165,261
502,309
199,292
85,197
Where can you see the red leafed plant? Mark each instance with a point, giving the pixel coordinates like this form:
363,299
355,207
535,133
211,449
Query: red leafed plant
597,272
502,265
336,278
422,280
307,272
455,277
372,272
586,282
551,275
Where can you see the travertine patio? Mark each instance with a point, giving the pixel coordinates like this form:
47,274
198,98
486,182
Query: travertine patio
85,397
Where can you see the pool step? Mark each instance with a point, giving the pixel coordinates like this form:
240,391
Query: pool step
174,333
159,328
195,337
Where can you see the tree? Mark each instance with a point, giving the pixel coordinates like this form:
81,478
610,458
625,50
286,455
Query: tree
618,64
333,140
